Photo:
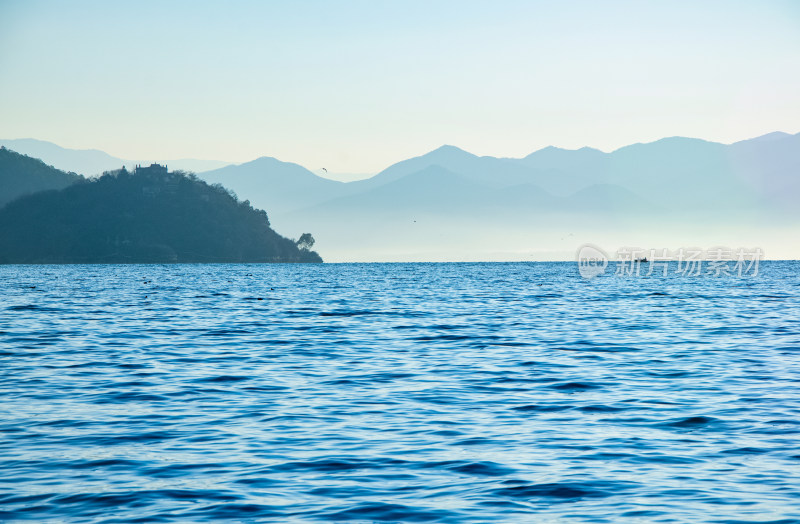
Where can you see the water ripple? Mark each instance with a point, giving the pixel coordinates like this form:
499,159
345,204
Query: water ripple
397,393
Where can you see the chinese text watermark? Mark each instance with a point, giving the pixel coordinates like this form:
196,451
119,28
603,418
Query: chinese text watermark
638,262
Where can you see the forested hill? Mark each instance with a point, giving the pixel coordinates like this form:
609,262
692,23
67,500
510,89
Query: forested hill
22,175
145,216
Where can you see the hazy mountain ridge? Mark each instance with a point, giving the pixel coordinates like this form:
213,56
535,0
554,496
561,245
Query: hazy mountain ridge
452,201
679,173
275,185
671,172
91,162
450,197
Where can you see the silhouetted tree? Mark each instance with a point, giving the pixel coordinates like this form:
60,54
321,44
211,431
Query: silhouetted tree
305,242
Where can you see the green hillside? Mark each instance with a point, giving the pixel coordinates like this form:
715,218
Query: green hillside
145,216
23,175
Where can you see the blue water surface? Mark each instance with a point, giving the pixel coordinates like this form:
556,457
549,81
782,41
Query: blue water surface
397,392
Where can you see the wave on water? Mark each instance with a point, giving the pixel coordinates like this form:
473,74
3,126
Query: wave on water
397,393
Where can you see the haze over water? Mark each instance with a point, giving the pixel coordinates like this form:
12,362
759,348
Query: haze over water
397,392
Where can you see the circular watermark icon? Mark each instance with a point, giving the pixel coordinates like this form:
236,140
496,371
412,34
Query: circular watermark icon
592,261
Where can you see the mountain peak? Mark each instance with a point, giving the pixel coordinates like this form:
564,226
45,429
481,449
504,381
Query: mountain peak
553,152
769,137
668,142
266,160
449,150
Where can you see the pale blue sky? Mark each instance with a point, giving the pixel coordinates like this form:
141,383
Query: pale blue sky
356,86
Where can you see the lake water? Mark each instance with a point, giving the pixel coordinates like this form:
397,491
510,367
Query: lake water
397,392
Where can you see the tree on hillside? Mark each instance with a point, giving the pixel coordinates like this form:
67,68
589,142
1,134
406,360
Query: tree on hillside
305,242
145,216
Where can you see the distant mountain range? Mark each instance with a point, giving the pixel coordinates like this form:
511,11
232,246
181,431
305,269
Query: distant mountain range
449,204
675,173
90,162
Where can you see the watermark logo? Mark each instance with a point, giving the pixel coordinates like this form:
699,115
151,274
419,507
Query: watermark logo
592,261
689,262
